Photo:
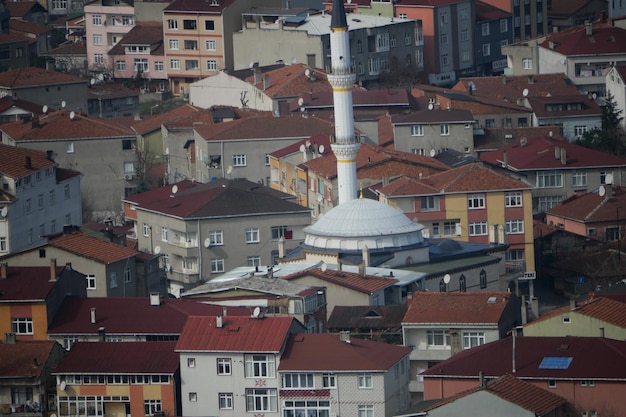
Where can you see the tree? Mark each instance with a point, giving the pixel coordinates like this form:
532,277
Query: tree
611,137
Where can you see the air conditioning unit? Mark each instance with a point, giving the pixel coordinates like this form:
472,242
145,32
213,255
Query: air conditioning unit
129,177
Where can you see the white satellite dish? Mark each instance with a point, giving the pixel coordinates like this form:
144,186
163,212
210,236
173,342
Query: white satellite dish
431,106
608,179
323,267
45,108
72,115
256,312
300,102
307,72
53,415
446,278
433,153
321,149
4,211
602,191
302,148
92,81
525,92
157,250
101,77
62,386
229,169
207,242
63,104
174,189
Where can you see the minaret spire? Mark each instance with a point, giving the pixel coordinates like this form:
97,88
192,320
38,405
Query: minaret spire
345,146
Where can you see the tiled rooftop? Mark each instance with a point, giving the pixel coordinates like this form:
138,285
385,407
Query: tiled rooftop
367,284
591,206
143,33
17,360
600,308
291,80
33,76
386,318
91,247
605,39
14,161
26,283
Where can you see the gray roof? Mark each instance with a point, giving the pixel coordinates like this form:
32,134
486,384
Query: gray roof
273,286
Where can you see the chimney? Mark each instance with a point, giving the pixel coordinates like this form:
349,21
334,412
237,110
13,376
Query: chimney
93,315
3,270
219,322
281,247
29,163
266,82
344,336
563,157
503,78
9,338
481,380
588,28
224,311
557,152
505,159
155,299
362,270
257,75
531,79
102,334
53,270
366,256
572,304
49,154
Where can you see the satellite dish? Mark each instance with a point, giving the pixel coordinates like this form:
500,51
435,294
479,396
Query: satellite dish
432,153
431,106
229,169
4,211
300,102
525,92
608,179
256,312
321,149
207,242
92,81
446,278
63,104
302,148
167,151
594,96
53,415
174,189
101,77
72,115
157,250
63,386
323,267
307,72
602,191
45,108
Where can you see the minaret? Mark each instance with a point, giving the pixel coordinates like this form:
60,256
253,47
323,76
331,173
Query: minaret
345,145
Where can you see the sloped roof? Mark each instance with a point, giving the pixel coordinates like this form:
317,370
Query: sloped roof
151,123
60,126
320,139
33,76
605,39
540,229
90,247
509,388
237,334
13,37
251,284
386,317
218,198
540,153
361,99
591,206
604,309
291,80
22,26
131,315
13,161
109,91
589,107
19,9
143,33
427,3
367,284
433,116
16,360
199,6
326,352
456,307
494,359
72,48
486,11
120,358
498,138
27,283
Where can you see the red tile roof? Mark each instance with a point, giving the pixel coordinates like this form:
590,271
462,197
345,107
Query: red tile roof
326,352
456,307
109,91
143,33
291,80
59,126
13,161
17,360
13,37
33,76
433,116
368,284
589,107
199,6
592,207
321,139
541,229
91,247
21,26
72,48
486,11
120,358
27,283
361,99
131,315
540,153
151,123
237,334
20,9
385,318
605,39
495,359
599,308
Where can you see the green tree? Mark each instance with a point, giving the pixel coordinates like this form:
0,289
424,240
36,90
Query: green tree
610,137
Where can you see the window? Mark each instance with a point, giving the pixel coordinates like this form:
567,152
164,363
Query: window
298,381
59,4
191,362
611,233
514,227
191,64
445,129
225,400
551,383
22,325
120,65
522,122
224,366
96,20
278,232
190,24
211,65
471,339
329,381
27,207
191,45
97,39
127,275
174,44
606,177
91,281
579,131
175,64
465,35
365,381
253,260
164,234
485,29
439,338
261,400
158,66
239,160
193,396
366,411
504,26
260,366
21,395
445,60
449,228
113,280
478,229
146,229
98,58
392,41
513,199
210,45
527,63
417,130
209,25
3,244
172,24
476,201
547,179
151,407
490,123
486,49
430,203
69,147
443,39
483,279
216,237
579,179
252,235
566,319
419,151
217,265
141,65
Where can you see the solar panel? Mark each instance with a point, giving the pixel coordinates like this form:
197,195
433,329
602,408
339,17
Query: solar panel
551,362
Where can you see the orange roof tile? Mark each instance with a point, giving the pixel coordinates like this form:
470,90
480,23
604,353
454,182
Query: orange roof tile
16,360
368,284
13,161
91,247
33,76
291,80
600,308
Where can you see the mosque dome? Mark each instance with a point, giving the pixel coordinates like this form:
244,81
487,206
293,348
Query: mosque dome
363,222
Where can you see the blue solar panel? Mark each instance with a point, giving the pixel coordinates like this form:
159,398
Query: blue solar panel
552,362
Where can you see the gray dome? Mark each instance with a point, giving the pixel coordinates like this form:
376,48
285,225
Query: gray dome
360,222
